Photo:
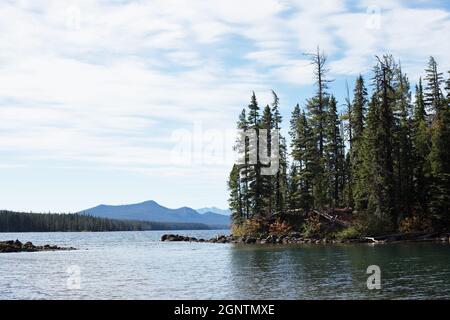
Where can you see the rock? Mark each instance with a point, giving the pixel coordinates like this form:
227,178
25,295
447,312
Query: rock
250,240
222,240
17,246
271,239
295,235
28,245
173,237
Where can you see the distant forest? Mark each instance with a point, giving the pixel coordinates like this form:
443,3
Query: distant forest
385,158
50,222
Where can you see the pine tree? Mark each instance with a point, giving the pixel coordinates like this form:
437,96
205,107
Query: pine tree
280,180
402,144
359,108
333,154
421,149
244,168
267,181
357,122
304,155
381,198
254,174
235,199
439,156
317,106
293,191
433,94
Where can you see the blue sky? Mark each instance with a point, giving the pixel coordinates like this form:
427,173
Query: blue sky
124,101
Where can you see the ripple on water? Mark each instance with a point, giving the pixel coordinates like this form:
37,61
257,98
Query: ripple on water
136,265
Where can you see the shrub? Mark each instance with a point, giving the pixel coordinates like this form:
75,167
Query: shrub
416,223
312,226
370,224
351,232
279,227
251,227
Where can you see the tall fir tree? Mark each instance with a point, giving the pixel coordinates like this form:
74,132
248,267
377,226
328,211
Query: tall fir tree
433,94
333,155
254,177
403,174
421,149
267,181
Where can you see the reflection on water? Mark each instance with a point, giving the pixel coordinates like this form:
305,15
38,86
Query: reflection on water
135,265
339,272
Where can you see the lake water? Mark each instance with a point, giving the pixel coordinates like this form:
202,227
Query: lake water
136,265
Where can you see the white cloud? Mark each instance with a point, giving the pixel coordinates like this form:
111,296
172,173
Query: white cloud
107,82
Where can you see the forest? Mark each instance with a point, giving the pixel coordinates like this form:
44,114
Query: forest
375,163
53,222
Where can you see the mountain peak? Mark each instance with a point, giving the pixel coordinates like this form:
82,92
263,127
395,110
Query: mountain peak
225,212
152,211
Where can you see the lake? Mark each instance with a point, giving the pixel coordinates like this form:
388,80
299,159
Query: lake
136,265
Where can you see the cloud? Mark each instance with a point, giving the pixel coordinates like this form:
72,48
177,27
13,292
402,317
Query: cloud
107,82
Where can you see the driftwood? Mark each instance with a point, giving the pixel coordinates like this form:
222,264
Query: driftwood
411,236
340,216
331,218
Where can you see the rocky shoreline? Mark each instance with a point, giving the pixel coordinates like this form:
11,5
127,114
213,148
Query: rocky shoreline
297,238
17,246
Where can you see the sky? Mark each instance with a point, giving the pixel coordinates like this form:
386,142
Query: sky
115,101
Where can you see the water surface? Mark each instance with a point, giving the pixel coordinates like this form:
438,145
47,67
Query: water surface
136,265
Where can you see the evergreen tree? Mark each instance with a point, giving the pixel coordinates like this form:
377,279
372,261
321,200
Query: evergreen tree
358,173
304,155
402,144
281,175
421,149
317,106
235,199
439,156
267,181
359,108
433,94
244,168
333,152
254,173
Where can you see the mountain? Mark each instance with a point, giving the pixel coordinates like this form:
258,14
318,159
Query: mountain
226,212
152,211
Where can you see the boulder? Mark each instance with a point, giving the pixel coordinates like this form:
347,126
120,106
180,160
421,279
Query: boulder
249,240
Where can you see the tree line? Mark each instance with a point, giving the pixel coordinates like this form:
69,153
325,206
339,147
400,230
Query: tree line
54,222
386,155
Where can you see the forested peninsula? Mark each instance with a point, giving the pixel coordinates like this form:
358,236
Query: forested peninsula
380,166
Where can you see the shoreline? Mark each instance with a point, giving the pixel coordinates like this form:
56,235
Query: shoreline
297,238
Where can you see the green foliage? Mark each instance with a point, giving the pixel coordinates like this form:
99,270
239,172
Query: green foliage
52,222
391,163
255,227
312,227
352,232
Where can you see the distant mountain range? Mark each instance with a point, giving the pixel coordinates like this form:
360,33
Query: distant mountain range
214,210
152,211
